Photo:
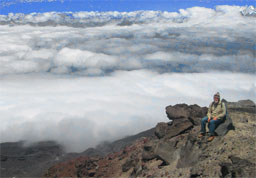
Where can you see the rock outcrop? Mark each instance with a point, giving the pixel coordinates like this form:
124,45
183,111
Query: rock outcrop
176,150
194,113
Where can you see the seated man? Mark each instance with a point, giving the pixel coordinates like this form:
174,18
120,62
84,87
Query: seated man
216,114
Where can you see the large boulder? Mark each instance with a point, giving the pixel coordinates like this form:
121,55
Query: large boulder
182,149
167,151
176,112
224,127
171,129
192,112
178,127
189,154
161,129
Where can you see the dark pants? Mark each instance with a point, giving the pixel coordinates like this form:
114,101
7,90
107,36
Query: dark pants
212,125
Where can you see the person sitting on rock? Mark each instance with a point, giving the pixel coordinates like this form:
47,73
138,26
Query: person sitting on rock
215,116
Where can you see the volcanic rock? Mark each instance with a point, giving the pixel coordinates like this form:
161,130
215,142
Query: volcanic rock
167,152
193,112
161,129
178,127
224,127
238,168
128,165
189,154
149,151
176,150
242,106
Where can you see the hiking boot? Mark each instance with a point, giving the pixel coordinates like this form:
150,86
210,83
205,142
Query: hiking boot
210,138
201,135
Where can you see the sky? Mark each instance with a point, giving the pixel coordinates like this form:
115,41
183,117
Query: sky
30,6
82,78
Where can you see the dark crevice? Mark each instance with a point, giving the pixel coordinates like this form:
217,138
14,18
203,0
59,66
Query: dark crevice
233,175
194,175
184,131
162,164
191,120
224,170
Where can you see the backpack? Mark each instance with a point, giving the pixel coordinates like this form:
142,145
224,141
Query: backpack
225,103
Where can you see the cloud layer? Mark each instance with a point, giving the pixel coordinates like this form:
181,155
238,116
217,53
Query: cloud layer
82,78
194,40
83,111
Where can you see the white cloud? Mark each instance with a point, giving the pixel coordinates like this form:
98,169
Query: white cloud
81,59
160,56
158,47
80,112
199,16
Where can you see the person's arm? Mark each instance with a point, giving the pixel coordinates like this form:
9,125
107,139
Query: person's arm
223,111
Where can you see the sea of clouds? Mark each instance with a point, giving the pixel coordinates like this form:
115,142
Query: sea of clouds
85,77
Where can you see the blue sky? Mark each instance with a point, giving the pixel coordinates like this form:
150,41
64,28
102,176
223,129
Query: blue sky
28,6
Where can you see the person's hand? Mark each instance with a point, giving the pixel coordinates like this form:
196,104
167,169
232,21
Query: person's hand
209,119
215,118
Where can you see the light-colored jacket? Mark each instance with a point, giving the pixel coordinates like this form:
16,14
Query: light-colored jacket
219,111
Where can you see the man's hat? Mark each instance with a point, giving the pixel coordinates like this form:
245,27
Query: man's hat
217,95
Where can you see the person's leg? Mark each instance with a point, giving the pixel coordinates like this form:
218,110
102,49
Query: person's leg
213,124
203,123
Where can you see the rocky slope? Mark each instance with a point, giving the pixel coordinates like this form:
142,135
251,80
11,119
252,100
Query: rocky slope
21,160
174,150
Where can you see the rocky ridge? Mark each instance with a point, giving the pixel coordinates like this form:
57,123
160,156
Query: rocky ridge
174,150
